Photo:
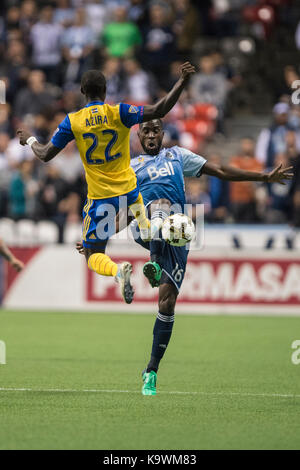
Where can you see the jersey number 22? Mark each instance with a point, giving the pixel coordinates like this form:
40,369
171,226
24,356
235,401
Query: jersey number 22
108,156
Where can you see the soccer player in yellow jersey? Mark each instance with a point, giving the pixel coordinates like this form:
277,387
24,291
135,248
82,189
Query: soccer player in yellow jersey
102,135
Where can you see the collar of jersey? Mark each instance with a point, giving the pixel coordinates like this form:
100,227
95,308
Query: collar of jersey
92,103
147,155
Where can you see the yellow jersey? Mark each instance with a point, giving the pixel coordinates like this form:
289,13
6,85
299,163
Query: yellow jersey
102,134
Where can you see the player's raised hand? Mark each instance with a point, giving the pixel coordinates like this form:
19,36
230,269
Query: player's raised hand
23,136
187,69
279,174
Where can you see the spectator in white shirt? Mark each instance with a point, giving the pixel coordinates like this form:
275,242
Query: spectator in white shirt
63,13
272,141
208,85
111,70
138,85
17,153
77,44
46,47
4,142
69,163
97,15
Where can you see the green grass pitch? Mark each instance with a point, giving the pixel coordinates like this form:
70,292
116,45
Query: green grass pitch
240,368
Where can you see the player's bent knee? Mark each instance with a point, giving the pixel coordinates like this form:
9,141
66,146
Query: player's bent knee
161,204
166,303
90,251
167,298
161,201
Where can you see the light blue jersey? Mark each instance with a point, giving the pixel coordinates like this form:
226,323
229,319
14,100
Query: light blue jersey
162,176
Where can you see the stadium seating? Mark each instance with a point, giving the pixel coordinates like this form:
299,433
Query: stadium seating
190,141
26,233
8,231
72,233
204,111
47,232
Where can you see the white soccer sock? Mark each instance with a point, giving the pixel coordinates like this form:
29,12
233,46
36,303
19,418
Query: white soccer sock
157,220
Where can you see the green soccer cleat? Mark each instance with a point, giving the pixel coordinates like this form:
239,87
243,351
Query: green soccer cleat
149,379
153,272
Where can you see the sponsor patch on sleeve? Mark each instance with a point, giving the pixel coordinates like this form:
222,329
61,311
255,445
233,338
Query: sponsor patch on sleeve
133,109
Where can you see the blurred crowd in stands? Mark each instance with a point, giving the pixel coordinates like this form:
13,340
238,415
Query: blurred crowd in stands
248,202
45,46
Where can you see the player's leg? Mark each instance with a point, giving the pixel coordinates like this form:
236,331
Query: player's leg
162,332
138,210
160,209
95,239
173,265
102,264
95,227
163,324
99,262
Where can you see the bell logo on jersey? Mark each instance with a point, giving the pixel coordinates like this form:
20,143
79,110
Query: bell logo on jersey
166,170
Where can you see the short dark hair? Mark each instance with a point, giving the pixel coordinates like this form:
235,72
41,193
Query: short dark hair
93,84
157,119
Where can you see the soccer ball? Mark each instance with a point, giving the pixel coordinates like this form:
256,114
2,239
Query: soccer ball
178,229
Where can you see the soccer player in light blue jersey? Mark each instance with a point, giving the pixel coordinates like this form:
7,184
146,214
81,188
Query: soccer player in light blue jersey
160,173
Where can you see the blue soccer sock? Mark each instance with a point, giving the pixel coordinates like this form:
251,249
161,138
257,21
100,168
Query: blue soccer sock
162,332
156,250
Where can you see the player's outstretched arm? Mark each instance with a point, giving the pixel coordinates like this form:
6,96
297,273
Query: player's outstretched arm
45,153
163,106
7,254
231,173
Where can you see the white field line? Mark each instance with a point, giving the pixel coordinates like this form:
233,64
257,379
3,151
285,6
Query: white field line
225,394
